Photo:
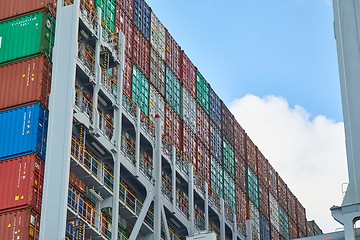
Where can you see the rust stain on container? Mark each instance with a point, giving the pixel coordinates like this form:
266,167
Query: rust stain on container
21,183
25,82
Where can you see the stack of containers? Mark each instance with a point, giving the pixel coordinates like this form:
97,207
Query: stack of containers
25,69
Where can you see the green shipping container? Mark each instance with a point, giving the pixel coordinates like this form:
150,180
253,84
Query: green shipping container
229,191
26,37
108,13
203,92
217,177
253,187
140,90
173,91
228,157
284,223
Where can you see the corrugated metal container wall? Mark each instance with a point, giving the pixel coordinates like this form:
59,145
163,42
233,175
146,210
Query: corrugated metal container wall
140,91
173,54
188,74
156,105
157,36
228,157
239,140
38,29
217,176
21,182
125,25
23,224
264,200
25,82
141,53
189,109
284,223
216,142
229,191
128,7
293,230
255,217
23,131
108,13
240,172
203,92
173,128
263,168
173,91
291,199
203,126
274,212
273,181
252,187
215,108
282,193
11,8
251,151
301,219
203,161
275,235
189,150
265,228
142,17
128,75
227,123
313,228
157,72
241,208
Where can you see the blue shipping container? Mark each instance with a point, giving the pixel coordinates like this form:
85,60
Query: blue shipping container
142,17
215,108
216,141
23,131
265,233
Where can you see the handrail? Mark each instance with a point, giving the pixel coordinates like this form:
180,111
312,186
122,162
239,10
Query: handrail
184,207
144,164
86,57
182,163
108,128
83,103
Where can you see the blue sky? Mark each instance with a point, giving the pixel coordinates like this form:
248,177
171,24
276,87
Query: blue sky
274,63
282,47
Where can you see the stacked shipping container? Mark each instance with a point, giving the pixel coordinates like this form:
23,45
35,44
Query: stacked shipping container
27,38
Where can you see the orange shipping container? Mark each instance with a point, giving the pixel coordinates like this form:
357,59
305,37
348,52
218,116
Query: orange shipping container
25,82
11,8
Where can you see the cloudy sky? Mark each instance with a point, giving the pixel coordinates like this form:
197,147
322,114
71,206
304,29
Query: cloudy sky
274,64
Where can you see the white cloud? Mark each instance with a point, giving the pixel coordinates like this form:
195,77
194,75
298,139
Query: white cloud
308,153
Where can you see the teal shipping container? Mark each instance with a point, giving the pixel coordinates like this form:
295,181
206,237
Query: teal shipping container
228,157
26,37
23,131
173,91
108,13
253,187
140,90
203,92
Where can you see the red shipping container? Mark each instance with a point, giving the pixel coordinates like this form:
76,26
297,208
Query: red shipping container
241,208
263,168
227,124
291,199
125,24
264,200
273,181
282,193
127,6
275,235
301,219
173,55
12,8
23,224
188,74
21,183
141,53
189,144
25,82
203,125
127,80
239,140
173,128
203,161
293,229
240,172
251,150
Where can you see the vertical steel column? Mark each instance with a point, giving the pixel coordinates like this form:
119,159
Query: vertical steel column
206,206
166,227
248,222
157,171
173,158
191,198
117,141
137,141
222,218
235,227
62,99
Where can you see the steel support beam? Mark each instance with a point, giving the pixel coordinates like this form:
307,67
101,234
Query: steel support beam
137,141
222,218
206,207
191,199
158,180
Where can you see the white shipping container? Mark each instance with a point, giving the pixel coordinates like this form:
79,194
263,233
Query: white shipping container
157,36
274,212
254,216
156,106
189,109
